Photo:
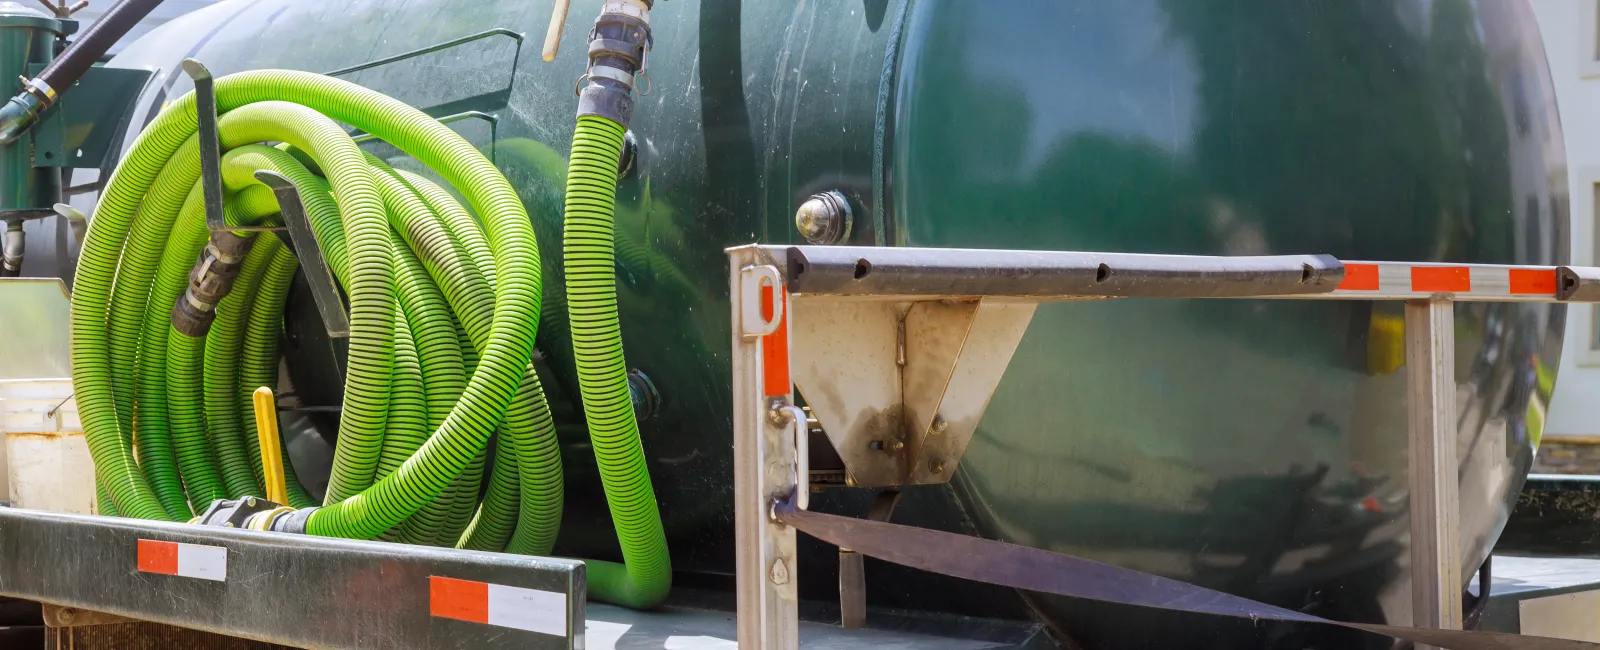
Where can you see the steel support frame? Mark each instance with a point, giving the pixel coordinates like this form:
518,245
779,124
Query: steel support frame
765,452
766,458
1435,487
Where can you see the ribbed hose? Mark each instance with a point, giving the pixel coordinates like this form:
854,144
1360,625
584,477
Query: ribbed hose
132,374
588,245
443,310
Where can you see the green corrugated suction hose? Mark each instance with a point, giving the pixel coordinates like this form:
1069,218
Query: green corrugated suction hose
443,310
588,253
180,396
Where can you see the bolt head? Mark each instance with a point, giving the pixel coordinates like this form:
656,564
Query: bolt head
936,466
823,219
899,445
939,425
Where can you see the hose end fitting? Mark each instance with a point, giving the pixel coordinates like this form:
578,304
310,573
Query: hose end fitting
20,113
235,513
292,522
210,281
619,44
15,246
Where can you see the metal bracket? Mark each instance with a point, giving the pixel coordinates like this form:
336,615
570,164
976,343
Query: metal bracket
488,33
205,109
323,288
76,219
899,387
306,247
494,129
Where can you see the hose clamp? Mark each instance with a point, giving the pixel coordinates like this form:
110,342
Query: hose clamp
40,89
263,520
196,304
615,74
633,52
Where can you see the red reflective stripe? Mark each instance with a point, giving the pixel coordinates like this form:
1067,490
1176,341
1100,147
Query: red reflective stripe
775,346
464,600
1360,277
1528,281
158,557
1451,279
766,303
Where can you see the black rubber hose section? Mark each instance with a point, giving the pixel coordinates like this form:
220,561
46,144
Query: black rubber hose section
66,69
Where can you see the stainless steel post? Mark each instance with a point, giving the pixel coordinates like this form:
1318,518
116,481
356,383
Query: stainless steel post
1435,503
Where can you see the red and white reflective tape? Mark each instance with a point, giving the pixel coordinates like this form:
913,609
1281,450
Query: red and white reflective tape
533,610
1463,282
187,560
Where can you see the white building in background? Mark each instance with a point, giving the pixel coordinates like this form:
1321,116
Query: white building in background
1569,28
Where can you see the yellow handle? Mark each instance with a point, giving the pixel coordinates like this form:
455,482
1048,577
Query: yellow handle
271,454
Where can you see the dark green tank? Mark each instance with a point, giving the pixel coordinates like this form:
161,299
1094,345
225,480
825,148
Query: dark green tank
1255,447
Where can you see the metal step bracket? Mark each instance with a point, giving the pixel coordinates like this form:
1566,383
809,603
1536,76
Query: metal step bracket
323,287
307,248
898,350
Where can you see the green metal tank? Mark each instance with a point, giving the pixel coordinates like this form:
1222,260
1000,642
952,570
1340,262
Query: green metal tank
1255,447
27,39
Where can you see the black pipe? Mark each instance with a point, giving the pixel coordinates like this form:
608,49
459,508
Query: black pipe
95,42
40,93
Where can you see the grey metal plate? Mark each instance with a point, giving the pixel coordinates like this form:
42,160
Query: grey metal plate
614,628
1520,579
295,590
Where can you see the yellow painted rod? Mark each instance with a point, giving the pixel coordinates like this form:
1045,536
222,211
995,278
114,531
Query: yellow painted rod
271,452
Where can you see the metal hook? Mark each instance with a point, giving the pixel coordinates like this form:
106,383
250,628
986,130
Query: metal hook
323,289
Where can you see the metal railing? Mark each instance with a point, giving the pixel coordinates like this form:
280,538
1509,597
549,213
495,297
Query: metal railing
841,318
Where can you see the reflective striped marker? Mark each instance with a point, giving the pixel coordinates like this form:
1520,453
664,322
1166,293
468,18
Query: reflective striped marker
187,560
533,610
1462,282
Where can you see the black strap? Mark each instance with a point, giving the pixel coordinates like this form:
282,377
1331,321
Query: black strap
1021,567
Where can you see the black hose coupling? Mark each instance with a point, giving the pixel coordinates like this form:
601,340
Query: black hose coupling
233,513
619,44
292,522
211,280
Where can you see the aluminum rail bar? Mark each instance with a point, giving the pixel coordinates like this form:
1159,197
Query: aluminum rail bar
296,590
929,273
859,271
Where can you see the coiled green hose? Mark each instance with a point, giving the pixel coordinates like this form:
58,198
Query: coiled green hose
443,308
148,230
588,254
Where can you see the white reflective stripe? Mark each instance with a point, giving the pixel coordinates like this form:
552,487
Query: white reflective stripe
204,562
533,610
